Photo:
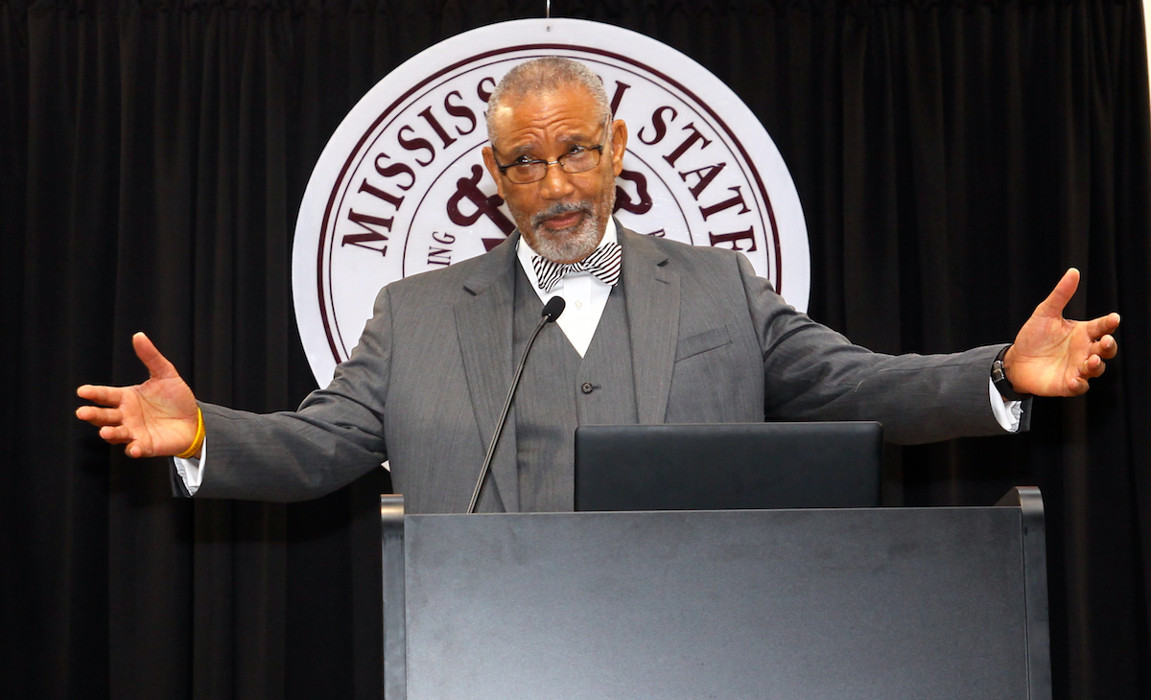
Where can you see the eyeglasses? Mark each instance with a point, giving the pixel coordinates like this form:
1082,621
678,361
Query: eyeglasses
579,159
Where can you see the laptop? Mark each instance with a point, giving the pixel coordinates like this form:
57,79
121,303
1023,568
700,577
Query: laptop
729,465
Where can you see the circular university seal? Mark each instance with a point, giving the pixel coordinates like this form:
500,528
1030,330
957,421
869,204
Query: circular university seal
401,188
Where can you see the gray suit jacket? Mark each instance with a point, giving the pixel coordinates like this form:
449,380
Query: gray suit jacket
710,343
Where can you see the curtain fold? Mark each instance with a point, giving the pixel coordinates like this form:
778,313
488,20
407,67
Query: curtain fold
952,158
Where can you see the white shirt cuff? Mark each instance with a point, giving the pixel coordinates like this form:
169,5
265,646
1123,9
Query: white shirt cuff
191,471
1007,413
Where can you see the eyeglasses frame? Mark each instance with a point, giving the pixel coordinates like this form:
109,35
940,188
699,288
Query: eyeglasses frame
503,168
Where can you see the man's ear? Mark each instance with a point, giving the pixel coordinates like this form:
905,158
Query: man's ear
618,144
493,169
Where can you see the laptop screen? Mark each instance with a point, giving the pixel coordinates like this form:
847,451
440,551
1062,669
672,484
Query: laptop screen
729,465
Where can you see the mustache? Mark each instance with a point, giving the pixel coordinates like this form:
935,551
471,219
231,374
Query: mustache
559,209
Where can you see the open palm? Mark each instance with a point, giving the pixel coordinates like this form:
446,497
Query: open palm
156,418
1054,356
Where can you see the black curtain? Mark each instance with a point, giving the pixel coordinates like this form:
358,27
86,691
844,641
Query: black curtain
952,159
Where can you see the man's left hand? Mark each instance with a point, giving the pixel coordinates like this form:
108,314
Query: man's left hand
1053,356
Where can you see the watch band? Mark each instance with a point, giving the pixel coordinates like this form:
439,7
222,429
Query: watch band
1000,380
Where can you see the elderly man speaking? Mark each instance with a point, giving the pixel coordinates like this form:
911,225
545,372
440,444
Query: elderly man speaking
654,332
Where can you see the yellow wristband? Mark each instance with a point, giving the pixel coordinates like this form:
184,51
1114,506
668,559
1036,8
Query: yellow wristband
198,441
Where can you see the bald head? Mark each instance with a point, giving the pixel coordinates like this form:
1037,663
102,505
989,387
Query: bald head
545,75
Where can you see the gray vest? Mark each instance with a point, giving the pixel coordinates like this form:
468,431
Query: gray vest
560,390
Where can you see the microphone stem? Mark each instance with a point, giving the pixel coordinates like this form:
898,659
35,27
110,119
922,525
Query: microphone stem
504,414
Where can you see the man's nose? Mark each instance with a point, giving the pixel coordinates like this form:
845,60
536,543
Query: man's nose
556,184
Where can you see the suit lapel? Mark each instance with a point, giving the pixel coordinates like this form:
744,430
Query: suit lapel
484,328
653,308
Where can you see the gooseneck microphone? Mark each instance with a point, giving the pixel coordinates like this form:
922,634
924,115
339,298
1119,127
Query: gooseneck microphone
551,312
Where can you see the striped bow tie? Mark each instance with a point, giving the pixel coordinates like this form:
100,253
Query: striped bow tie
604,263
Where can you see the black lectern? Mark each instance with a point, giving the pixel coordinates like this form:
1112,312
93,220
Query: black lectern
846,603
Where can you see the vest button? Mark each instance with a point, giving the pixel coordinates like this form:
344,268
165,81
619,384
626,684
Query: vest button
587,387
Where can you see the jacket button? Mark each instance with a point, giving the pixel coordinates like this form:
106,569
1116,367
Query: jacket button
587,387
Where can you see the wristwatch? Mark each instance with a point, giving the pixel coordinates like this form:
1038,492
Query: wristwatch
1000,380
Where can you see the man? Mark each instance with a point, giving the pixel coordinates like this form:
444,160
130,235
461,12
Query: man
664,333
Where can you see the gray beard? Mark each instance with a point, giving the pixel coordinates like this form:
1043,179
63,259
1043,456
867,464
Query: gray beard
567,245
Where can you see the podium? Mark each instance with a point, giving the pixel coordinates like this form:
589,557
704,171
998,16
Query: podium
828,603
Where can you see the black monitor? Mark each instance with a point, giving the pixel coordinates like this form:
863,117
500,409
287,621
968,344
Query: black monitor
729,465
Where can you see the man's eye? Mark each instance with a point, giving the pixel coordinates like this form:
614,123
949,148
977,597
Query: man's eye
523,160
576,150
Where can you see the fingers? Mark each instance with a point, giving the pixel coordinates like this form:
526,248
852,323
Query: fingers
115,434
1107,348
158,366
99,417
120,436
1093,367
103,395
112,430
1057,300
1077,386
1103,326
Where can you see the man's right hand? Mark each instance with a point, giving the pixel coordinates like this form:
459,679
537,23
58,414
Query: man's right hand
158,418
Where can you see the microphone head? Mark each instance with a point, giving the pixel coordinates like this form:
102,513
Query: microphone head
554,308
